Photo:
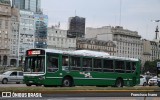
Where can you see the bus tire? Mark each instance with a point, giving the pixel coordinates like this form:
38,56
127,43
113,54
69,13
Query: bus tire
38,84
17,82
119,83
28,84
67,82
47,85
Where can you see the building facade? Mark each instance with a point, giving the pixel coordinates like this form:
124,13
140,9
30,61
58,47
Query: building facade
94,32
5,30
97,45
76,27
155,50
14,38
151,51
128,43
57,39
41,24
26,31
31,5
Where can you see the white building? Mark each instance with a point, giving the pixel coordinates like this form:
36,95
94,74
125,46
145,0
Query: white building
151,51
14,36
128,43
57,39
26,31
93,32
5,20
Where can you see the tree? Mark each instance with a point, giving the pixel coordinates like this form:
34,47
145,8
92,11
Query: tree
150,66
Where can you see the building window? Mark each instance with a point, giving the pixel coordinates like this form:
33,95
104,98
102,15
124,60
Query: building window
6,24
0,23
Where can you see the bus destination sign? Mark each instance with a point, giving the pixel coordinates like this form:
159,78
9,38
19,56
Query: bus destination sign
37,52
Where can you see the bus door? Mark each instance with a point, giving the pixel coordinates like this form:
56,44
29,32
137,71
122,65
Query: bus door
52,69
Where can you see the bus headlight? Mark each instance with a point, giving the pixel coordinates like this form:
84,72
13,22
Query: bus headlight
41,77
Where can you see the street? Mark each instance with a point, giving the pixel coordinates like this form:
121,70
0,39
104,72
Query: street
84,95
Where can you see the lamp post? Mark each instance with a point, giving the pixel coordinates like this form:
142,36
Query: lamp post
157,38
17,65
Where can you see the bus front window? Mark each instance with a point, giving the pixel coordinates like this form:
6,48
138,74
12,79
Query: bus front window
34,64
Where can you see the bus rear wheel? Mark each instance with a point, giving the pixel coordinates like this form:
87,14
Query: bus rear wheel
67,82
119,83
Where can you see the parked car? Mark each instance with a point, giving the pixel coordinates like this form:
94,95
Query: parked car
152,81
11,76
143,80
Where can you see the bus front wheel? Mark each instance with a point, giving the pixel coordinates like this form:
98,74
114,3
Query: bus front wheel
119,83
28,84
67,82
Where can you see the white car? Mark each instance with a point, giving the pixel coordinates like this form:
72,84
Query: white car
143,80
11,76
152,81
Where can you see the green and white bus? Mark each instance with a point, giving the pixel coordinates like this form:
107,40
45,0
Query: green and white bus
51,67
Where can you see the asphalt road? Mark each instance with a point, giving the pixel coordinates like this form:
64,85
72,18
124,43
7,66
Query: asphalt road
12,85
24,85
86,96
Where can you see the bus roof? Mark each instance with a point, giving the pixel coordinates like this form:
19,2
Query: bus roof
88,53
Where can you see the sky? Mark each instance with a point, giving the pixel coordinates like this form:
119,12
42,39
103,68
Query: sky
134,15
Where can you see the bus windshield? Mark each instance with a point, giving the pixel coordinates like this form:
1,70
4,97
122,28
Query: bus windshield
34,64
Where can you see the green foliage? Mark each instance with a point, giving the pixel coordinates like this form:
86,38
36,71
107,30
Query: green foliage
151,66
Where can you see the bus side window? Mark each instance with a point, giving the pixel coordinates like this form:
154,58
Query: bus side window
108,66
87,64
52,64
120,66
128,67
65,60
75,63
133,67
97,65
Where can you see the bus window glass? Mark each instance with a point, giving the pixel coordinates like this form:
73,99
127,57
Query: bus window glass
75,63
108,66
87,64
119,66
52,64
97,65
133,66
34,64
128,67
65,62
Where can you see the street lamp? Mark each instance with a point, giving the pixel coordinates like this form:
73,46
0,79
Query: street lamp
17,65
157,31
156,37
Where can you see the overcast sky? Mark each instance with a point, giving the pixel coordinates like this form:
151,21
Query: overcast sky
136,15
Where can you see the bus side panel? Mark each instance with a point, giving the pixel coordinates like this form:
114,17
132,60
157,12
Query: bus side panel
53,79
92,78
